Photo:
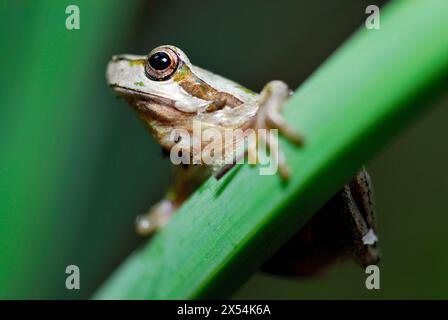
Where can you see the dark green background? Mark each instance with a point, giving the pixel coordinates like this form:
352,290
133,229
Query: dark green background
76,166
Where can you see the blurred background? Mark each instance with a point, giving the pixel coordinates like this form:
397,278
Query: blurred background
76,166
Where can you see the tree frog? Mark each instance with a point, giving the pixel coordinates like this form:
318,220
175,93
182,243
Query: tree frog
168,92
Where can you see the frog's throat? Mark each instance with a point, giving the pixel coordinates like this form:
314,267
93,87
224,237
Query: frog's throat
198,88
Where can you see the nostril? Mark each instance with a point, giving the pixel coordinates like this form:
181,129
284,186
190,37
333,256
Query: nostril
116,58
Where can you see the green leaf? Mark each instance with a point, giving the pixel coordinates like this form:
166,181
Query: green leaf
366,92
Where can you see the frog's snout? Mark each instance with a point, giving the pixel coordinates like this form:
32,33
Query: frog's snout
116,57
122,68
116,70
112,72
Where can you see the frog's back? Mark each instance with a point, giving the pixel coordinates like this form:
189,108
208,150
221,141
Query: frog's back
223,84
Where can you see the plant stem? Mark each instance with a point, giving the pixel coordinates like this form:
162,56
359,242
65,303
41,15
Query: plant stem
368,90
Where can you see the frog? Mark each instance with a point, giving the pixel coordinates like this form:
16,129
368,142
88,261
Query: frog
170,93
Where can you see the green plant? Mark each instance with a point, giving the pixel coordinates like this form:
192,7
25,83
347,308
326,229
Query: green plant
368,90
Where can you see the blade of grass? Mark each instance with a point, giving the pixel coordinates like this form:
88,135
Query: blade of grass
46,102
366,92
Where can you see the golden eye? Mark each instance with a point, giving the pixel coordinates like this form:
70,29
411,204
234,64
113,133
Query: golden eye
161,64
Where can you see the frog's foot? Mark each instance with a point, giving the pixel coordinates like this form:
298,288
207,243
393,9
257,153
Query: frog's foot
187,180
272,99
156,217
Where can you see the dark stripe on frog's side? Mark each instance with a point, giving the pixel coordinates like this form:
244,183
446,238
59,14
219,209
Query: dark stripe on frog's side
202,90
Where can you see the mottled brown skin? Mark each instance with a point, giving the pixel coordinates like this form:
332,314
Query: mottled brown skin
199,88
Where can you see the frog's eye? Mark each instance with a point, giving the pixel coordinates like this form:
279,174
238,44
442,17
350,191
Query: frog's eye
161,64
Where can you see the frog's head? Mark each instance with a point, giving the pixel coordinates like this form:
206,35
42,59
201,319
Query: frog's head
147,82
168,91
165,78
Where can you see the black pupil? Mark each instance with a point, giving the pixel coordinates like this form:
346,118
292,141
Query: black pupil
160,61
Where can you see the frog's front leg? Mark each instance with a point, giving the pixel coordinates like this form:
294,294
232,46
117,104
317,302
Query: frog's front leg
186,180
272,99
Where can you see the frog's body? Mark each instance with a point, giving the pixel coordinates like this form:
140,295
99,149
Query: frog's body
176,102
169,93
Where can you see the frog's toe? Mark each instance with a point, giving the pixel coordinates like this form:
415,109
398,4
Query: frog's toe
288,132
272,99
156,218
144,225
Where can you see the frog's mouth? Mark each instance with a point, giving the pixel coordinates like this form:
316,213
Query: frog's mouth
133,95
